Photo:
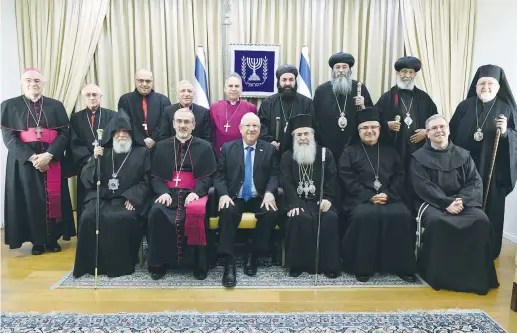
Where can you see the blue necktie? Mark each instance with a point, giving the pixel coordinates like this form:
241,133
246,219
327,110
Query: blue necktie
246,187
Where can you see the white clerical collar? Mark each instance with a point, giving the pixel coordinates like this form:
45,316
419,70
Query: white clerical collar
233,103
183,141
246,145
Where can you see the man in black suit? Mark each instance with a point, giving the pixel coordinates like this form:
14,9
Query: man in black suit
185,94
246,180
145,108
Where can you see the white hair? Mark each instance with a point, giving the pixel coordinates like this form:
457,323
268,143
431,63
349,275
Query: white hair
304,154
434,117
93,85
249,115
233,75
187,110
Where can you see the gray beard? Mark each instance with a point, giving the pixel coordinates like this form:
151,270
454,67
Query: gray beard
304,154
341,85
404,85
122,147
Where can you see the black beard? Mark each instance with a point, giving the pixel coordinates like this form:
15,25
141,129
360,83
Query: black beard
287,93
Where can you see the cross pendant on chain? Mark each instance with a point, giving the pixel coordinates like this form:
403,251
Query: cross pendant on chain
177,179
145,126
226,126
38,131
95,143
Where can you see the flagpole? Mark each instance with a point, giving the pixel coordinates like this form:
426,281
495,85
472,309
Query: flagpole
227,8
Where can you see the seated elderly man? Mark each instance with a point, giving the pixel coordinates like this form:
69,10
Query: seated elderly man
181,176
124,190
380,235
247,179
458,236
301,171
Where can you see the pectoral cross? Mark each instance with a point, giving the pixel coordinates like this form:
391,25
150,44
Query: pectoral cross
95,143
145,126
38,131
177,179
226,126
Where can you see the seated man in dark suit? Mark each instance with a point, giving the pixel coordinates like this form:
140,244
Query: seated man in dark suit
246,180
185,94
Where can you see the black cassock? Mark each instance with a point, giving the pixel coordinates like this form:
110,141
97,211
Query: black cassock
201,115
327,115
166,230
277,106
301,230
82,136
463,126
420,105
27,216
457,249
132,104
120,230
379,237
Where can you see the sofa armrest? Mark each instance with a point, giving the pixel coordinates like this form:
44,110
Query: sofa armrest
211,206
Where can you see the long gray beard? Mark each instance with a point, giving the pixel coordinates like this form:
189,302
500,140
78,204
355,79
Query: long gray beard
122,147
405,85
342,85
304,154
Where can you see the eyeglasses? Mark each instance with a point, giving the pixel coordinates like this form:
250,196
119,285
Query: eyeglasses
438,127
92,95
489,84
371,127
141,81
183,121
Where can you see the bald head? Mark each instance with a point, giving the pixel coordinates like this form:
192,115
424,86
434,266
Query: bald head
144,81
32,82
185,93
92,96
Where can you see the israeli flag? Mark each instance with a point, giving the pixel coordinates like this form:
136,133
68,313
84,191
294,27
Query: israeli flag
201,96
304,79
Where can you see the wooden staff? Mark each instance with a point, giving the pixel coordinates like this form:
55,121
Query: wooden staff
316,265
98,208
492,163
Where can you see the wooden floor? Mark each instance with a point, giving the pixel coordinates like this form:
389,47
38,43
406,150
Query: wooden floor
26,280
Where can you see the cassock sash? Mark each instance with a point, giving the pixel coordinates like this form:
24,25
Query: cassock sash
53,185
195,211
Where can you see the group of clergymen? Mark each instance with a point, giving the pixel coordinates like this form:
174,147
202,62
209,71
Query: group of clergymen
355,172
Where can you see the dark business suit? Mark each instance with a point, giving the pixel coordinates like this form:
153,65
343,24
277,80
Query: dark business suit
229,181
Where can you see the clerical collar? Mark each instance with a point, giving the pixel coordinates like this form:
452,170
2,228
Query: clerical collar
93,111
233,103
186,141
190,107
437,148
30,99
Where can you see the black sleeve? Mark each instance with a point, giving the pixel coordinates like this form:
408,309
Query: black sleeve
472,191
273,182
207,129
59,145
354,190
264,114
165,126
124,105
286,179
88,174
220,177
329,183
426,190
20,150
396,185
139,193
202,186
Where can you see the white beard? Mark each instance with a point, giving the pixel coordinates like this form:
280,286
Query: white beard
342,85
486,97
405,85
122,146
304,154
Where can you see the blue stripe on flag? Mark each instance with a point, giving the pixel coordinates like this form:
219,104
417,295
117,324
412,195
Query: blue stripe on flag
201,77
305,72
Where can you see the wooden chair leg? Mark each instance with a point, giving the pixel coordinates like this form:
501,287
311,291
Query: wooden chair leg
513,303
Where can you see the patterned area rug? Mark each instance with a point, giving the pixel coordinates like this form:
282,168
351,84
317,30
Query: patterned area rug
268,277
458,321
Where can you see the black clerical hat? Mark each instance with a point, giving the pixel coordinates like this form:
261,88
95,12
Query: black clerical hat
341,57
408,62
373,114
296,122
120,121
367,115
282,69
497,73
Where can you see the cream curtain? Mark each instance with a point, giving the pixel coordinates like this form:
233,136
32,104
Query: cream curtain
59,37
441,34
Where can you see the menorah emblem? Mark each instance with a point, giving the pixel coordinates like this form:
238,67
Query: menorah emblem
254,64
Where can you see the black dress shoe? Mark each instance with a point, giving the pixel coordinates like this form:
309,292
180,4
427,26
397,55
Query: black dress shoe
53,247
362,278
250,267
229,276
331,274
157,272
408,278
294,272
200,273
38,249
